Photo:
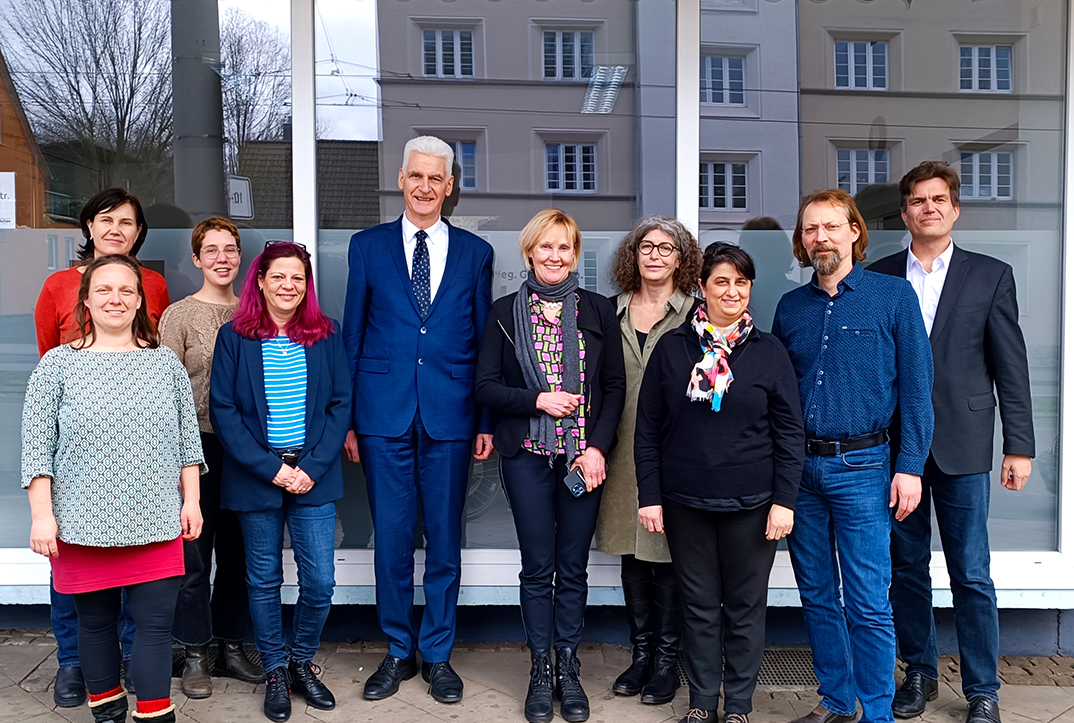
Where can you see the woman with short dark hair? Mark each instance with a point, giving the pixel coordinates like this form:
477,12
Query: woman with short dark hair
111,459
656,266
719,450
280,401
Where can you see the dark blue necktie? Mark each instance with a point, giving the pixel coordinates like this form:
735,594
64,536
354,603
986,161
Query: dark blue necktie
419,276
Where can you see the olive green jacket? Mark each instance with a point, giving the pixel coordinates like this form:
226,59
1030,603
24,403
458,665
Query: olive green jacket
618,531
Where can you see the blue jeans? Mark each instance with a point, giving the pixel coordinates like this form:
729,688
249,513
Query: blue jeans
64,619
312,529
961,503
841,530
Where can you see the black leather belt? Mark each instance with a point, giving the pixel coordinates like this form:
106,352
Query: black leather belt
289,456
830,448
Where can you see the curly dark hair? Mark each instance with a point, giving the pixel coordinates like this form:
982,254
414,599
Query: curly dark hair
625,271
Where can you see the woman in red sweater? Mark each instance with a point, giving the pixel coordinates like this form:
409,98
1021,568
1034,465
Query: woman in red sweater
113,223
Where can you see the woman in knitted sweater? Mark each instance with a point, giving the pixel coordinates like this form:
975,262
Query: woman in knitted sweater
111,459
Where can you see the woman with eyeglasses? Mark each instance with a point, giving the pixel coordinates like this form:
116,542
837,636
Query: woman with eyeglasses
189,327
656,266
719,450
280,403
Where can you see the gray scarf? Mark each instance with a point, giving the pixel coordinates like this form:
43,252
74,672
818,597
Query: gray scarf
543,426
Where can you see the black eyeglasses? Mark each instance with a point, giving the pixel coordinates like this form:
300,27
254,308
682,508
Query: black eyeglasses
664,249
281,241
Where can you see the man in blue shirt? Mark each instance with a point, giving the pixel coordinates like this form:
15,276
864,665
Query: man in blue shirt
860,351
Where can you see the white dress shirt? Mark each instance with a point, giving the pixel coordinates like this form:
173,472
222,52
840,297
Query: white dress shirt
928,285
437,242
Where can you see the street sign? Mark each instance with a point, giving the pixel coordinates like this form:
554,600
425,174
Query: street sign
7,199
240,198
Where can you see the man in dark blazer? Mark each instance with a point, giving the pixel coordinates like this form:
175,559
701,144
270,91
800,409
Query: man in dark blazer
970,309
418,294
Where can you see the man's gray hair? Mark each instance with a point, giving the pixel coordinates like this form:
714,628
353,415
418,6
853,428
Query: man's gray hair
429,146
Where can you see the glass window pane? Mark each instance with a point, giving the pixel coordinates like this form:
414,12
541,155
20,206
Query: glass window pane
429,54
567,55
880,65
984,68
586,52
466,53
965,68
1003,68
842,65
861,65
447,51
549,54
736,80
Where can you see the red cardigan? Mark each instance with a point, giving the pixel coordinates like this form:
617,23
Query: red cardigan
54,314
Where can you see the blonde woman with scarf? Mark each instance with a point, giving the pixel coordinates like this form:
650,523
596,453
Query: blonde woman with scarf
719,448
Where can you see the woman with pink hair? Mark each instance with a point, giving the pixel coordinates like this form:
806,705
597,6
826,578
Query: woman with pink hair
280,401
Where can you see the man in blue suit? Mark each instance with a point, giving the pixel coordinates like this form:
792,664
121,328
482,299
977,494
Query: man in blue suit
418,294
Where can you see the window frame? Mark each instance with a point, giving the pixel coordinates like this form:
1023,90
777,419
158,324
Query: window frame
707,91
578,59
870,70
456,49
579,150
852,186
459,147
993,78
707,181
995,158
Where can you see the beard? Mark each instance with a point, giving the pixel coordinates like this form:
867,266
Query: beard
827,264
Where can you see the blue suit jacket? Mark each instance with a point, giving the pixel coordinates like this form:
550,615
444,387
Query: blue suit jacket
399,361
239,412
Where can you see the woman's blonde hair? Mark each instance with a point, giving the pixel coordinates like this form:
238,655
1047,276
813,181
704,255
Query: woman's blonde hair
541,224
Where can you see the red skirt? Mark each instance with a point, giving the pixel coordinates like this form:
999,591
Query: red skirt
79,568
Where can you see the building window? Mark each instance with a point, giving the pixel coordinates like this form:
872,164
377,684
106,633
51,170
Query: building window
466,157
723,80
588,270
568,54
448,53
72,252
984,68
570,167
53,252
861,65
986,175
860,168
723,186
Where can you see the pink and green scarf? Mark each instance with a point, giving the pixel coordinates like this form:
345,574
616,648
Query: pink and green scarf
711,377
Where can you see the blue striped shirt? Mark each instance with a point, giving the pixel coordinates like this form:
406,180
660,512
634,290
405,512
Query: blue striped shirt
284,364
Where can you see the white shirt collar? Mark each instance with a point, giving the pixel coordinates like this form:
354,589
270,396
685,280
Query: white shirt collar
436,231
943,261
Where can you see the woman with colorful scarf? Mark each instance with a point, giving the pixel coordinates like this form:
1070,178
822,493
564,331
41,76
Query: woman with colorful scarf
551,366
719,448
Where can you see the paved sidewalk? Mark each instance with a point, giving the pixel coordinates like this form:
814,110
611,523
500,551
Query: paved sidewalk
1037,690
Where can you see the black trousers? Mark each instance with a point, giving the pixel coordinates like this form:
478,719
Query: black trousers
722,561
555,530
225,613
152,605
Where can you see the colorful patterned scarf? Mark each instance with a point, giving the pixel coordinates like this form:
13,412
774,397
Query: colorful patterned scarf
712,375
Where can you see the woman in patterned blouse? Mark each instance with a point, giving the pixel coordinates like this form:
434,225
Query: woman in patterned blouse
280,402
552,365
111,458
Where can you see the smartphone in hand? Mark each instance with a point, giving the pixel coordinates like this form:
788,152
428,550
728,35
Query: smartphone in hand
575,482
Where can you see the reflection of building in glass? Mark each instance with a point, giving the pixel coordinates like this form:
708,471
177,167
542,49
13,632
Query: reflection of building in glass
20,153
749,113
888,85
506,86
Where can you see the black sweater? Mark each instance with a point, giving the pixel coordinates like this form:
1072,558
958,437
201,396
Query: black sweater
754,444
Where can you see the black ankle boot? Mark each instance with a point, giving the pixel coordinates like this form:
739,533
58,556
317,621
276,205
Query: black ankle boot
113,711
639,608
539,696
664,680
574,705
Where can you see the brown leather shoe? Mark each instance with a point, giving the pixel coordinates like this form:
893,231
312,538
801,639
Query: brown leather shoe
821,714
196,682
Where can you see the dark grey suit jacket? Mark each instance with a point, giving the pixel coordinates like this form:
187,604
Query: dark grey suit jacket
977,345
